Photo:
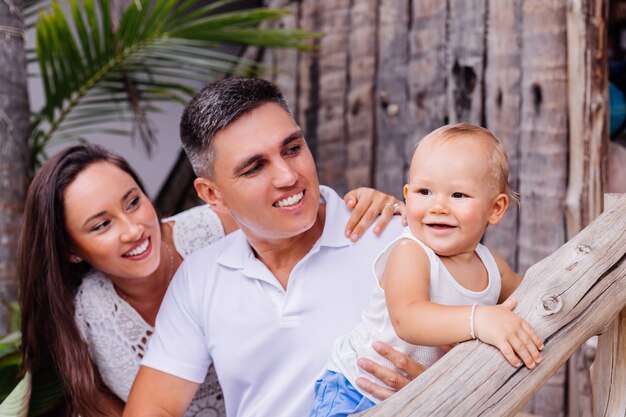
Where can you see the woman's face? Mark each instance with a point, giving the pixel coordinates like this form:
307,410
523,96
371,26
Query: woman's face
111,223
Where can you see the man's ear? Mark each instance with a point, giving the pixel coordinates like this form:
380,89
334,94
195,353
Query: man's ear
499,206
208,192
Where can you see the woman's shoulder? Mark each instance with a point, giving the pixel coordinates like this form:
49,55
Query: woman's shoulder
94,283
195,228
92,300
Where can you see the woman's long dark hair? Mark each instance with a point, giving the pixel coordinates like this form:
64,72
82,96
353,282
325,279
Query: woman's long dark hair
48,283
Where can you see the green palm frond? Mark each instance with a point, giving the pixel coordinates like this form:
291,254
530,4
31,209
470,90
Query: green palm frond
92,74
33,395
16,404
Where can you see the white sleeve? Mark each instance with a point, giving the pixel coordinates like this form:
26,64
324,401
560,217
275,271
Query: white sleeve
178,345
195,228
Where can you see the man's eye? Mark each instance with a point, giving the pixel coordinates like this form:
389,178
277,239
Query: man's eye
458,195
253,170
293,150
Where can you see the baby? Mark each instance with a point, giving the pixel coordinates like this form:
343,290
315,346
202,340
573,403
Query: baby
436,284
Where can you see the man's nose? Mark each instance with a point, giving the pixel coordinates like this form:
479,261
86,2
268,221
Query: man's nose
284,175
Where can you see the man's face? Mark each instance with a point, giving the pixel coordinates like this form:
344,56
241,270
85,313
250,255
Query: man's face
264,175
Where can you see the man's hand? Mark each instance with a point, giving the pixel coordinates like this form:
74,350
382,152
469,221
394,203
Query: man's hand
410,370
367,205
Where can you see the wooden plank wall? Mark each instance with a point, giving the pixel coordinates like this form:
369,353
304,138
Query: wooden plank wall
387,72
588,102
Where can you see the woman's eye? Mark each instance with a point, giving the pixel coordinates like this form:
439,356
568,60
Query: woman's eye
134,202
458,195
100,226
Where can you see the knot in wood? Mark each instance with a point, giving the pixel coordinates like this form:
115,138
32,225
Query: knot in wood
393,110
550,304
585,249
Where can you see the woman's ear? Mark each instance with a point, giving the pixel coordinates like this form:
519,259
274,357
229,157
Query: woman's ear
208,192
499,206
75,259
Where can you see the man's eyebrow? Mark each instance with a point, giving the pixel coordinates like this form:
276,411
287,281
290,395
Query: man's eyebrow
294,136
249,161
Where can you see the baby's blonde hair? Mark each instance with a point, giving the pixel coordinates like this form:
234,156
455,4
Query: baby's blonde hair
498,158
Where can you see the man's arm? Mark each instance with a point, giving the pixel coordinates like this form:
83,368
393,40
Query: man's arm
158,394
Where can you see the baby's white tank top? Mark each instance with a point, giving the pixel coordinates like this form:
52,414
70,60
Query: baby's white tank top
376,325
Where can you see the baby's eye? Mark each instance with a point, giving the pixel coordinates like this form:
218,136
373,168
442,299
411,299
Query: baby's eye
424,191
458,195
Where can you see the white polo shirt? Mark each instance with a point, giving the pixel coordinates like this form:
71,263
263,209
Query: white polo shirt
269,345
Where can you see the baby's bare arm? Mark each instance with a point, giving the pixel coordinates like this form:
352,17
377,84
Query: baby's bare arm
415,318
419,321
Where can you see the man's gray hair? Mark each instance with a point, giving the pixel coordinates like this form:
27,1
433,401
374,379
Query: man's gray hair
214,108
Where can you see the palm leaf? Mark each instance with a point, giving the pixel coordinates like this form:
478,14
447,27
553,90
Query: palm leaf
30,396
16,403
159,50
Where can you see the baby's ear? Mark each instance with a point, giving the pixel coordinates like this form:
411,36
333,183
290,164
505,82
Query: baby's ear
499,206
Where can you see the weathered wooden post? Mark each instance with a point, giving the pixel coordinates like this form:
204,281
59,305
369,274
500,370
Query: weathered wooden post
588,137
608,374
567,297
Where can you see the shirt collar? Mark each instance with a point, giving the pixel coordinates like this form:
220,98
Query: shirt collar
238,253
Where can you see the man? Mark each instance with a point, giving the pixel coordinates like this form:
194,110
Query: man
266,303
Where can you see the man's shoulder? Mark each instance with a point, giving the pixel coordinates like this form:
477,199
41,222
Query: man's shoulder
207,256
337,215
391,232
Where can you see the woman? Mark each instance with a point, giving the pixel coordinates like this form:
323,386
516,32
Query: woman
94,265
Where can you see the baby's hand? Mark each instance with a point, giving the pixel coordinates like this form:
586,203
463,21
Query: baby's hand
501,327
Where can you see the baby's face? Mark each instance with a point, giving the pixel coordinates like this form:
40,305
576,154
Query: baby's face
451,195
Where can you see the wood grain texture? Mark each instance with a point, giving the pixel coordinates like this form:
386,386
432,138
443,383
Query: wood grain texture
391,97
467,24
609,369
588,137
567,297
14,149
282,64
427,109
307,100
588,107
333,89
361,131
503,110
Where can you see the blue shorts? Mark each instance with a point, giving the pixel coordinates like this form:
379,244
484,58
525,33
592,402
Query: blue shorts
336,397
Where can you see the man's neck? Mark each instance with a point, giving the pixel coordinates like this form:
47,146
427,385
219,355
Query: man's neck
281,255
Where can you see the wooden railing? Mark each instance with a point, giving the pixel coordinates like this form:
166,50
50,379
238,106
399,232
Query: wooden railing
575,293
